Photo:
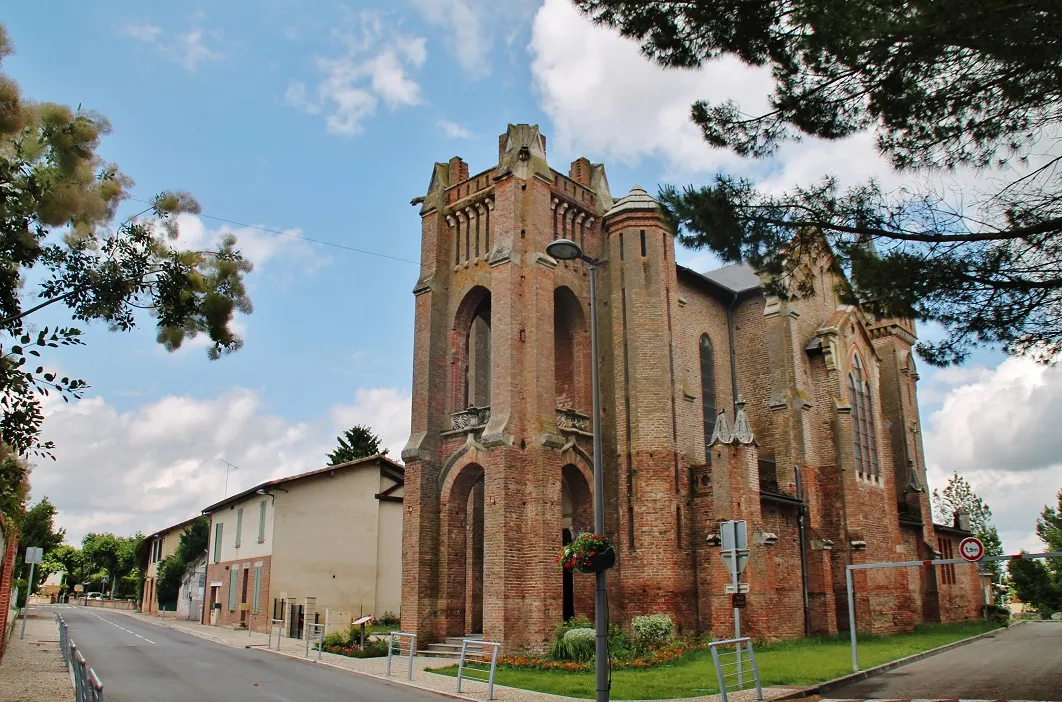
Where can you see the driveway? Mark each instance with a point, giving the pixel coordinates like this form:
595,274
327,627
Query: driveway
139,662
1020,663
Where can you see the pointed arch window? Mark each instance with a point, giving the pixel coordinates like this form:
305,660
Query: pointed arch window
708,392
863,429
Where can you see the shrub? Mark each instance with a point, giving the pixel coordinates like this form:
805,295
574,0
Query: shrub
620,646
576,644
389,619
652,630
997,614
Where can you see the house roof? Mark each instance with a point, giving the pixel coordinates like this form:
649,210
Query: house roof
384,461
637,200
947,529
734,280
178,525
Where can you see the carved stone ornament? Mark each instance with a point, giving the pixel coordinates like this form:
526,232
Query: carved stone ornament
572,420
471,418
742,430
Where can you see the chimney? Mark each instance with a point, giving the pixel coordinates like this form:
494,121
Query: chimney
458,170
962,521
580,171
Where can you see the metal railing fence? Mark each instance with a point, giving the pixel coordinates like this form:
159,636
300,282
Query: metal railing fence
87,685
391,649
731,674
279,624
478,656
315,633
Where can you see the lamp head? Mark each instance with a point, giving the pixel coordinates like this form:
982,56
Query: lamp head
564,250
261,491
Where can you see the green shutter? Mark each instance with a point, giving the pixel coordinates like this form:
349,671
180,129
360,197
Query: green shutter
257,587
217,542
234,580
261,521
239,525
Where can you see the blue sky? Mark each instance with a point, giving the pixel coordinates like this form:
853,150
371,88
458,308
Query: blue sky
324,123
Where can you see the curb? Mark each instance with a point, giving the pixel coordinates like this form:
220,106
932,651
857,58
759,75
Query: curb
207,637
885,667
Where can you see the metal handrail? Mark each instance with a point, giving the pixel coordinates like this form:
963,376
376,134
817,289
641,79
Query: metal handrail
721,677
316,633
482,645
412,649
279,623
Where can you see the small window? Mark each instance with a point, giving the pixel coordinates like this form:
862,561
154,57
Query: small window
234,581
217,542
261,521
643,243
708,405
239,525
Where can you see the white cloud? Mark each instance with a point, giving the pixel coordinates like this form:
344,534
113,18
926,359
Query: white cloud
466,37
374,65
454,130
188,49
159,463
996,428
608,101
258,246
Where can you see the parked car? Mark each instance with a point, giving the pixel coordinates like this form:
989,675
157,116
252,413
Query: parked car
94,596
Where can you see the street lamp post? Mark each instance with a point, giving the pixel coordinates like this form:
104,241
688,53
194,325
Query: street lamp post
568,250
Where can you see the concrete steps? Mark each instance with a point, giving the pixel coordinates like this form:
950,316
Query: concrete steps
451,648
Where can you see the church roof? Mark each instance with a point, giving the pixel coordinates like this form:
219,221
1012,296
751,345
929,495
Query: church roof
636,200
737,277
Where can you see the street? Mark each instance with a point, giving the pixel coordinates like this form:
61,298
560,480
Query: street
1019,663
139,662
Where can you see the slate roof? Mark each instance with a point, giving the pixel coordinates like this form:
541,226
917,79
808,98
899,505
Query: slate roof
637,200
737,277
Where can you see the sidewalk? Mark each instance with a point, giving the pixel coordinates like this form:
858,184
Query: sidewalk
376,667
33,668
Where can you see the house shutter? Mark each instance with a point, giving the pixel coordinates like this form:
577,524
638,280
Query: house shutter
239,525
261,521
234,578
217,542
257,587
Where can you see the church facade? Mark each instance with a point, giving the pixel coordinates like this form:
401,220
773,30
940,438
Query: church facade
719,402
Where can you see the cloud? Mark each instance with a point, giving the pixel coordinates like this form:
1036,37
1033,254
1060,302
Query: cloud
454,130
607,100
160,463
188,49
994,427
466,37
265,249
374,66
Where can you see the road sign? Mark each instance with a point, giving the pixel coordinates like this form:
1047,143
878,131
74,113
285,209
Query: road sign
79,587
734,535
971,548
729,557
738,600
34,554
730,589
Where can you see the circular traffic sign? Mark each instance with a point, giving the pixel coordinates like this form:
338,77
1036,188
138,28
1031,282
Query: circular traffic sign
971,548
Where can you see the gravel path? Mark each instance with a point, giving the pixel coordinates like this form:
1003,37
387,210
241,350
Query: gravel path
33,669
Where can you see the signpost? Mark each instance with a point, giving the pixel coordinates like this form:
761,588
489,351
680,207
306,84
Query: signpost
734,539
34,554
971,548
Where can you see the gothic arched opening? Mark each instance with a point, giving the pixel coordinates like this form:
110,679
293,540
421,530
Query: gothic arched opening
571,351
472,345
463,529
577,514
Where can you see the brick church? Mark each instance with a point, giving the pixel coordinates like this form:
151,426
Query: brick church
719,402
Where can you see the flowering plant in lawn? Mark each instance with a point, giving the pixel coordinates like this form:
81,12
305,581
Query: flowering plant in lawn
582,549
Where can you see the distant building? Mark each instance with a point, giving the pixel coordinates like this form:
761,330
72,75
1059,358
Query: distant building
52,585
720,400
153,550
324,545
193,585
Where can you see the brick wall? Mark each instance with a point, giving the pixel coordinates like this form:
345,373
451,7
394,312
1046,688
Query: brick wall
220,572
7,575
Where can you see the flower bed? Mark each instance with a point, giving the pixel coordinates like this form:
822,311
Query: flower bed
666,654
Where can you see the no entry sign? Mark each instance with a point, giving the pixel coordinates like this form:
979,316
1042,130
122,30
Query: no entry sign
971,548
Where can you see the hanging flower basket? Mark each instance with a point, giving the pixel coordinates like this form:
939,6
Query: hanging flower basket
590,553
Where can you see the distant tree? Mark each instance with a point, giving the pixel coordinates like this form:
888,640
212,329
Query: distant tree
1039,582
194,540
58,204
193,543
356,443
944,85
113,557
63,559
958,496
37,528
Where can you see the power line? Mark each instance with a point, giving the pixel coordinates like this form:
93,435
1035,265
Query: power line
295,236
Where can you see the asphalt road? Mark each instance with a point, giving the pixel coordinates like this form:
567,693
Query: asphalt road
139,662
1019,663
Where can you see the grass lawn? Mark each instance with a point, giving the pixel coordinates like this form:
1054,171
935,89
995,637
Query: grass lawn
790,663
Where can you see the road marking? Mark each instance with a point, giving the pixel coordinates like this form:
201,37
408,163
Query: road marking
118,626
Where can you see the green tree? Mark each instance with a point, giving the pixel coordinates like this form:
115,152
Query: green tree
193,543
194,540
944,85
63,559
958,496
355,443
58,205
37,528
14,483
168,583
1039,582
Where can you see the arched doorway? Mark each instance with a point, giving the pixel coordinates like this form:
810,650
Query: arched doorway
577,516
463,530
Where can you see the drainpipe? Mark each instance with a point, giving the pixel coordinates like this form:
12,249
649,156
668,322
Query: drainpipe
801,511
